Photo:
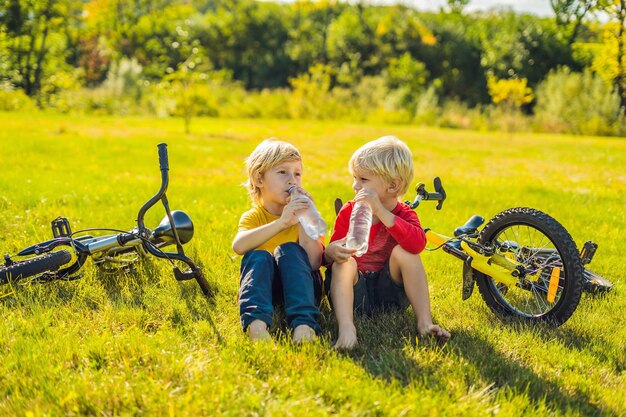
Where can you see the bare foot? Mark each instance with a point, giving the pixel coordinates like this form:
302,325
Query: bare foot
303,333
347,338
257,331
434,330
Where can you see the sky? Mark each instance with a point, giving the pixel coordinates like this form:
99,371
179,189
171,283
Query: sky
538,7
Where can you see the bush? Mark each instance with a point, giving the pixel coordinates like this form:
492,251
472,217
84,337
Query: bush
427,110
120,93
13,100
458,115
580,103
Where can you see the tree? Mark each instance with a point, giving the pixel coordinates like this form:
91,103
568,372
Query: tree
570,14
249,38
34,42
615,45
520,46
457,6
308,26
187,73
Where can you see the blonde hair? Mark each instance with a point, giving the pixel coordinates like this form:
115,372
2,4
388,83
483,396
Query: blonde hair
267,154
387,157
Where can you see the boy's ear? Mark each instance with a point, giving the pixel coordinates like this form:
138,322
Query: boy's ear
258,180
393,186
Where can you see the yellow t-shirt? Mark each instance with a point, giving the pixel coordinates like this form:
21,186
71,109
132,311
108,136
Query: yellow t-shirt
258,216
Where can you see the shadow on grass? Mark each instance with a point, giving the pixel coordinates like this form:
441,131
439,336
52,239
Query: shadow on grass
388,350
504,372
136,287
592,344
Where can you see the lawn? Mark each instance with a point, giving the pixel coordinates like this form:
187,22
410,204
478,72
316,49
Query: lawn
145,344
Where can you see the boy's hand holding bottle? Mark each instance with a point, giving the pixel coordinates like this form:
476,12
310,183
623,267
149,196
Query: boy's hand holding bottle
307,213
371,198
289,216
338,252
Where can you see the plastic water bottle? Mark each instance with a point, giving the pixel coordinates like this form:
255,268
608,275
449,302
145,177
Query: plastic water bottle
309,218
359,231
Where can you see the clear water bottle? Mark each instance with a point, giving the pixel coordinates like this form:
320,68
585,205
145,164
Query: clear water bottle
360,225
310,218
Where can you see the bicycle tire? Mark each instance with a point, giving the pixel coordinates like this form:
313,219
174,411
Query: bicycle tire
34,266
534,304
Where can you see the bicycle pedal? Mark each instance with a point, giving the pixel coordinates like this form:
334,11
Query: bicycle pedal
588,251
61,227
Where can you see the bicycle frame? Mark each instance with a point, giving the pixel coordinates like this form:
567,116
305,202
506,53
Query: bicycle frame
496,266
500,268
175,228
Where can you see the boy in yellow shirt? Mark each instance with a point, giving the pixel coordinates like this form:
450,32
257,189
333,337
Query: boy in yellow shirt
281,262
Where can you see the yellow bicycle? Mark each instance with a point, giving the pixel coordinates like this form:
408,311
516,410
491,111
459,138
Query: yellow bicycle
525,263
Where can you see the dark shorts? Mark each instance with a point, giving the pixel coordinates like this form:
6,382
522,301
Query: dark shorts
374,291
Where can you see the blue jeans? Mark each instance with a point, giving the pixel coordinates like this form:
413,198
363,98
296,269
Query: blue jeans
285,277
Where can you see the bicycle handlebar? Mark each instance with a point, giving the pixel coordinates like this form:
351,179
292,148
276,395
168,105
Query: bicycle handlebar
164,166
163,161
439,194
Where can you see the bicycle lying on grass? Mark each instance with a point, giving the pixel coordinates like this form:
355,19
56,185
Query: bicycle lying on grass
525,263
43,262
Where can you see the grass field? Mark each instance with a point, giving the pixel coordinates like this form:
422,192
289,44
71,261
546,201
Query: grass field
143,344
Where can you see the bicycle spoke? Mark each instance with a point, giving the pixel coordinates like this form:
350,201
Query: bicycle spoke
538,256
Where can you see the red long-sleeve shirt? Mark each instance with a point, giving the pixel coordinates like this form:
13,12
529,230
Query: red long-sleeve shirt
406,232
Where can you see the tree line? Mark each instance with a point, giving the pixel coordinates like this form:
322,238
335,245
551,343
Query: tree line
358,59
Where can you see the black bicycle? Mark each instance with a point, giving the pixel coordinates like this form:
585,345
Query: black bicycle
62,257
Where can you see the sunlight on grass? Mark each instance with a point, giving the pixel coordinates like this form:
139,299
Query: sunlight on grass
143,343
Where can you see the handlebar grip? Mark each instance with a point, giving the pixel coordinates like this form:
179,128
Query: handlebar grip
163,162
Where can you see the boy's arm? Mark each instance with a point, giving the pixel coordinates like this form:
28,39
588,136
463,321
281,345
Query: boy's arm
313,248
247,240
403,225
407,230
336,252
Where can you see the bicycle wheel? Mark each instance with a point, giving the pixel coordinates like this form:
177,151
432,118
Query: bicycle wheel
547,255
33,266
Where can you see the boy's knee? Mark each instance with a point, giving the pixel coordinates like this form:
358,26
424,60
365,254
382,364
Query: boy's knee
401,255
257,256
289,249
257,259
341,269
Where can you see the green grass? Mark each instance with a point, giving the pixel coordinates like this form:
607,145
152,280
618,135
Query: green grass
144,344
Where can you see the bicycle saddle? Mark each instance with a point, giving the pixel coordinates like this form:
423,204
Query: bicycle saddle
470,226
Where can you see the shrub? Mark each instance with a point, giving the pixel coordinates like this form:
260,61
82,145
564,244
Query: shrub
458,115
427,110
12,100
580,103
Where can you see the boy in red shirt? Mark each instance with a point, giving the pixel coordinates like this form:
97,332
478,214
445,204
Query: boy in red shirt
390,274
